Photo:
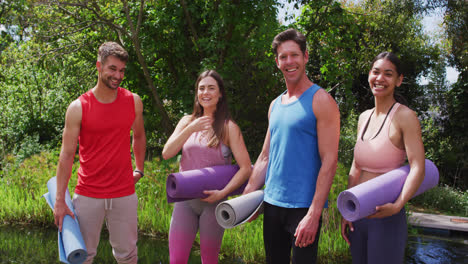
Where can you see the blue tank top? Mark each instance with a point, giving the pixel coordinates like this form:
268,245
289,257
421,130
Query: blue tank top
294,160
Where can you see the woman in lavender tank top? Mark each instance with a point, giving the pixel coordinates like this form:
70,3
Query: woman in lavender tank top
207,138
387,135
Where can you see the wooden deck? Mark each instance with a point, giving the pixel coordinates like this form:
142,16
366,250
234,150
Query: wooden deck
447,222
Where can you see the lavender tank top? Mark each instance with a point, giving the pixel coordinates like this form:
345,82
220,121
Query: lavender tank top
196,154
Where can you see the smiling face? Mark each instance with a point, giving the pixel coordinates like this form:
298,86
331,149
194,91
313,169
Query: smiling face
383,78
111,72
291,61
208,93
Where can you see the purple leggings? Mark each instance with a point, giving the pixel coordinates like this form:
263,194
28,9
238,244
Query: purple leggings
379,240
187,218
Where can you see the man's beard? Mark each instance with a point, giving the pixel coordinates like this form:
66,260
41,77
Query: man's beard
108,83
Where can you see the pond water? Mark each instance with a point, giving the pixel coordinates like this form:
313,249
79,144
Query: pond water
436,246
26,244
19,244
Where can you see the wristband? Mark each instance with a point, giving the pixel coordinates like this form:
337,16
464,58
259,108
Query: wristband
140,172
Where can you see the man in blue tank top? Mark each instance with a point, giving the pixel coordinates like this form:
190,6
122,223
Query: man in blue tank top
298,159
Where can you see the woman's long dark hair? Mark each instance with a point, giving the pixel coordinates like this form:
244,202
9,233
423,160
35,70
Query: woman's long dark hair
393,58
221,114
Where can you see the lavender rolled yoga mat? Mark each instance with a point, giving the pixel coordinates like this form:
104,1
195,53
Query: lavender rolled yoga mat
187,185
360,201
239,210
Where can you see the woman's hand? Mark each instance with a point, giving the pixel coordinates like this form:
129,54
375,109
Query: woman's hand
385,210
213,196
346,227
201,123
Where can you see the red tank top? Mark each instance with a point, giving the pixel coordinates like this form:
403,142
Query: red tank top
104,145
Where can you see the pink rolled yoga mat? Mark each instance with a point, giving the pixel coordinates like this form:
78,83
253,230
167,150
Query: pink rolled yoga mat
187,185
360,201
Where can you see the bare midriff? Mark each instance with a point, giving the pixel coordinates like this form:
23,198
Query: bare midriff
367,175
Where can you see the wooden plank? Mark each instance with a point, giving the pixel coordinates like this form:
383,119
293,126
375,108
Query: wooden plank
457,223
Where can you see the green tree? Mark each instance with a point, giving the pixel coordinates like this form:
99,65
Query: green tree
232,37
456,17
34,94
99,20
170,42
344,37
445,138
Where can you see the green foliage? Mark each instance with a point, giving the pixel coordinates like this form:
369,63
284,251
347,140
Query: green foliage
444,198
344,38
443,126
333,37
456,19
332,245
348,135
170,42
22,186
48,52
231,37
35,93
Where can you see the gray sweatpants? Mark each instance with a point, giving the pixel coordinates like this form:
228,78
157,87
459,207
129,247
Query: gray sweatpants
121,221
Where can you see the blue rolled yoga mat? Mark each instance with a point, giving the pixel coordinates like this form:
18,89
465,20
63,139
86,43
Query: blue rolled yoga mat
239,210
71,245
187,185
360,201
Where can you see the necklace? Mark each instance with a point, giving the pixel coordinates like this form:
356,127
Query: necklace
381,126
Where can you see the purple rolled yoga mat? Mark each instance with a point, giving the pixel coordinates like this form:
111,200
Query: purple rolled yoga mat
360,201
187,185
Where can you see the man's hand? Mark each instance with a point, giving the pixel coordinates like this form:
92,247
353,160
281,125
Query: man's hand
306,231
136,177
60,210
254,217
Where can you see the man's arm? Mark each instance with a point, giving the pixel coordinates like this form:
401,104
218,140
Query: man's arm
353,180
328,133
257,179
139,138
67,155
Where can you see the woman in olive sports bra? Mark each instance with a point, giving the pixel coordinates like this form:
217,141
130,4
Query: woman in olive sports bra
387,135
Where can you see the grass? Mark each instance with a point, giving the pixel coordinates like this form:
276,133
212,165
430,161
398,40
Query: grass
23,184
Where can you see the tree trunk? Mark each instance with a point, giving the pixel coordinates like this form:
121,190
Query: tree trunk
134,31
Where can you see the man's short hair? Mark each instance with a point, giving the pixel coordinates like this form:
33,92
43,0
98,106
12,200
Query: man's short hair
289,34
112,49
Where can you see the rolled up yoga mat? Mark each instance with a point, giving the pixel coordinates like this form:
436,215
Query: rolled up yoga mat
360,201
239,210
187,185
71,245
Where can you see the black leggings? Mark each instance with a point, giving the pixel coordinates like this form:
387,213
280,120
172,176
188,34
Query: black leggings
381,240
279,226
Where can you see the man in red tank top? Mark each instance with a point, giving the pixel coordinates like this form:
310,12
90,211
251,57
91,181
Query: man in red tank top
100,121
